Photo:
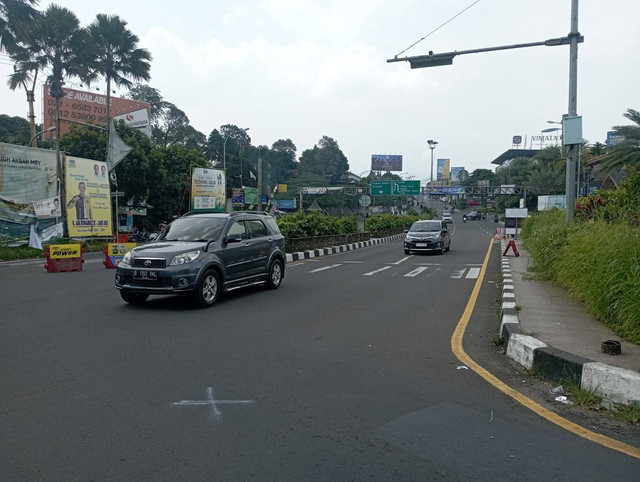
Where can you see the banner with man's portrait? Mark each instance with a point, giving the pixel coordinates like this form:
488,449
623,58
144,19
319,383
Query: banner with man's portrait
88,198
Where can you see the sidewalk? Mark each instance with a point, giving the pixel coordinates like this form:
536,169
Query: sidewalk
543,326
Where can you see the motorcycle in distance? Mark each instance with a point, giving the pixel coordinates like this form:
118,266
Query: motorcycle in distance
464,218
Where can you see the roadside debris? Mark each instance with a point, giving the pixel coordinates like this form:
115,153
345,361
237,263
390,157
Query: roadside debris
563,399
462,367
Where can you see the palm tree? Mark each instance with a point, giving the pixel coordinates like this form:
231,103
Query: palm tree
627,152
16,17
116,55
18,23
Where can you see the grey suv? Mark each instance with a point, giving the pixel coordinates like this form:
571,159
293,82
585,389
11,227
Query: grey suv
202,254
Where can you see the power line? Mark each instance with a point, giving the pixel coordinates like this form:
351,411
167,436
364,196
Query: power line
438,28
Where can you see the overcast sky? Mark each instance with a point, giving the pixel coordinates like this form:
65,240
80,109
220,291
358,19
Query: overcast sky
302,69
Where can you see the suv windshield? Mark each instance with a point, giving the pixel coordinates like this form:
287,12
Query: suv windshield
426,226
193,228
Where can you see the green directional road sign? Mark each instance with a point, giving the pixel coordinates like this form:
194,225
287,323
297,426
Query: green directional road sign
381,188
406,188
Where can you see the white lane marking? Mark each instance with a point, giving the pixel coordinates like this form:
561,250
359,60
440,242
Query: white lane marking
324,268
371,273
213,402
415,272
353,262
401,261
457,274
473,273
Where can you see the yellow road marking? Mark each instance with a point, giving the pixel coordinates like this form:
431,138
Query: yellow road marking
458,351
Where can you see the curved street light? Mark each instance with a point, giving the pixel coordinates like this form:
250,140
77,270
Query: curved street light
50,129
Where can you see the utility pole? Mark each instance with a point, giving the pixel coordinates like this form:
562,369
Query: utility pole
573,149
259,181
435,60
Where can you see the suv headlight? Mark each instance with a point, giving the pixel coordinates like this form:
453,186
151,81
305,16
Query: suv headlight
185,258
408,237
127,258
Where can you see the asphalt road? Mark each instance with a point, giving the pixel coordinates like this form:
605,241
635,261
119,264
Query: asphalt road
344,373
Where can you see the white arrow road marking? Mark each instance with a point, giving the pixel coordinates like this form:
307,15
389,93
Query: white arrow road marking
324,268
213,402
371,273
415,272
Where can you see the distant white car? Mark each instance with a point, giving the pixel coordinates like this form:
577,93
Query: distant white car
446,217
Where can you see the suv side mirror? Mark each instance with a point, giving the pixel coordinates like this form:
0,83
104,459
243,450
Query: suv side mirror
233,238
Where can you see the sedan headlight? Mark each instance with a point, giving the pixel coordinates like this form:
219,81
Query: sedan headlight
185,258
127,258
408,237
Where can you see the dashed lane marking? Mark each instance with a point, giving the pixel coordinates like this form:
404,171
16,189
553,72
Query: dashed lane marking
324,268
371,273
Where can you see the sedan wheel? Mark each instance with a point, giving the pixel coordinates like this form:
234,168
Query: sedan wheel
207,290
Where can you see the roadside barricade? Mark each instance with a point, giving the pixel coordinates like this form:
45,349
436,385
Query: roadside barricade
63,257
114,253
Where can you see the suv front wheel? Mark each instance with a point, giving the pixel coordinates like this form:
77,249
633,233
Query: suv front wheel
207,290
275,275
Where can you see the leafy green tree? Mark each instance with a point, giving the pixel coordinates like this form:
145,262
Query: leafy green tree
325,159
116,55
145,93
282,160
14,130
16,20
481,175
627,152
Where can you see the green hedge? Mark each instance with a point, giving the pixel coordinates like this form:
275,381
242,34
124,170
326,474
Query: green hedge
596,261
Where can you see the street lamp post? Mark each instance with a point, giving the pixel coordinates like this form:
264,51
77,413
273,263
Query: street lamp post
432,146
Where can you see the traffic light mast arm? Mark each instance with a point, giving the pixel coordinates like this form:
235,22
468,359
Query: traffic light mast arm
434,60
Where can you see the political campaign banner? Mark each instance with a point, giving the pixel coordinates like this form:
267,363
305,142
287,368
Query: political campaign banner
88,198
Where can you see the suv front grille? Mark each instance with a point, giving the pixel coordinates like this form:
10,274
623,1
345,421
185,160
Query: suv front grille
155,263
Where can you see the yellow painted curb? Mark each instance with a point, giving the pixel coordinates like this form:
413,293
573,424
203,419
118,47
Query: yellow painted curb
458,351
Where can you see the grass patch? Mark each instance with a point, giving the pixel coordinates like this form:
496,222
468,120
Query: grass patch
498,340
597,262
585,397
536,371
629,413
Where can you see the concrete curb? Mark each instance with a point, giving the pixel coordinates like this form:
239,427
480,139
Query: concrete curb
613,383
339,249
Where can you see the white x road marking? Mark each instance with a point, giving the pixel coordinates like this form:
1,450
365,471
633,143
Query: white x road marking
213,402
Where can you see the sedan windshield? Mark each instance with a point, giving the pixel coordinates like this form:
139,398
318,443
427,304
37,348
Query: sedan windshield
193,229
426,226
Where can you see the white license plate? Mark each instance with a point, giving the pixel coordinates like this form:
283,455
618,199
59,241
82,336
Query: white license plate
145,275
421,245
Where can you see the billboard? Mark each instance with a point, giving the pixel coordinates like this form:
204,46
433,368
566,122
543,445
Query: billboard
90,108
208,190
443,168
28,193
386,162
614,138
88,198
454,174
